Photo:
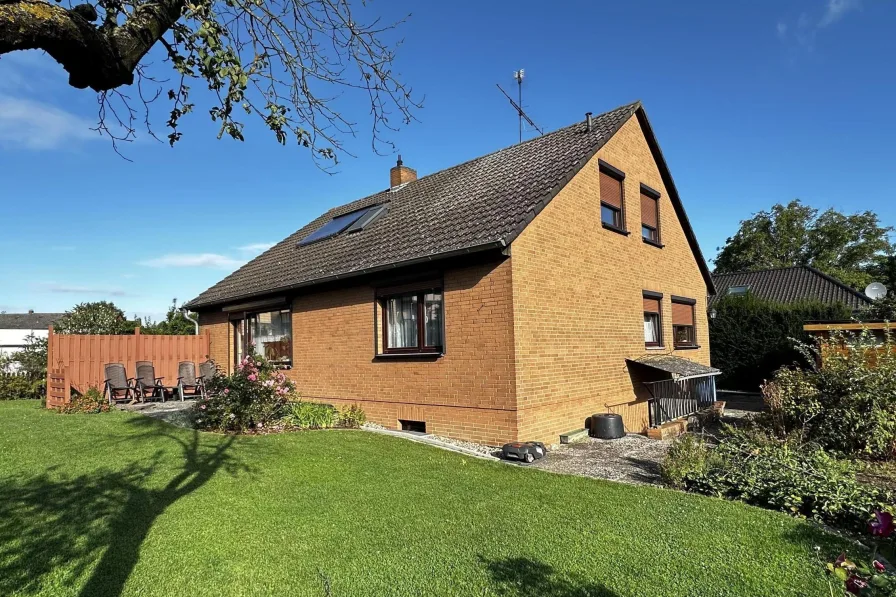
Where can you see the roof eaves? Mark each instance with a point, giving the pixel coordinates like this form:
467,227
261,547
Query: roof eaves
674,196
498,244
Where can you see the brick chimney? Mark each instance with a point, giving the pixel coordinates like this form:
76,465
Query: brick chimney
400,174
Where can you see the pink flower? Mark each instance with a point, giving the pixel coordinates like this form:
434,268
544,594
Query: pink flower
253,377
878,566
855,585
226,391
882,526
202,407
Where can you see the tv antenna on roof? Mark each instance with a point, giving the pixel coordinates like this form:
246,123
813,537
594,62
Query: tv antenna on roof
518,76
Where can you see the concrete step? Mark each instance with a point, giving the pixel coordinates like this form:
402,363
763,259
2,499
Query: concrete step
571,437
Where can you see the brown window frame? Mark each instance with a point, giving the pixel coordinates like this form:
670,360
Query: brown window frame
618,224
656,239
240,319
692,339
658,296
421,347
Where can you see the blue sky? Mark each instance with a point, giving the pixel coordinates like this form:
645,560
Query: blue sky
753,103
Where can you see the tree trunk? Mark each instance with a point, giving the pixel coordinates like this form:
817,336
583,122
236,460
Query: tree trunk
98,58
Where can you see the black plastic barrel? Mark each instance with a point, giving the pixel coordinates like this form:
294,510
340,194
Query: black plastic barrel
606,426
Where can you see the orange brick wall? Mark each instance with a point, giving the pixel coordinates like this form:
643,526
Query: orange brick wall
578,303
220,340
468,393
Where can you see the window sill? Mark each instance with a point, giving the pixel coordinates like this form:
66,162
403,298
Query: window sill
688,347
652,243
615,229
654,348
410,355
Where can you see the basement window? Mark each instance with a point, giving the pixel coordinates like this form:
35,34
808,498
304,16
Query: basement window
415,426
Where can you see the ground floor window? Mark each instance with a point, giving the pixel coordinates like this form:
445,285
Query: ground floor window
653,329
268,333
413,322
683,328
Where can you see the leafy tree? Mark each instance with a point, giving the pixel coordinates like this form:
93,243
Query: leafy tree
848,247
174,324
32,359
283,62
95,318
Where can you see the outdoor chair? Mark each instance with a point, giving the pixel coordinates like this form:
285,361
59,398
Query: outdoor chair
188,384
148,385
118,386
207,370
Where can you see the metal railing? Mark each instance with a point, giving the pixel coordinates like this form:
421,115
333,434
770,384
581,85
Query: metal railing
673,399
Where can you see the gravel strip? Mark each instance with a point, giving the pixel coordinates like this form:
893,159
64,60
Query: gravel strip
632,459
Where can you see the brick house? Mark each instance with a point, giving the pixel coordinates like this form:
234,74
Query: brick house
509,297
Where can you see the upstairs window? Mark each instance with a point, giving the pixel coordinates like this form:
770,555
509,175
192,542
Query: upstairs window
683,326
650,215
611,198
413,322
653,322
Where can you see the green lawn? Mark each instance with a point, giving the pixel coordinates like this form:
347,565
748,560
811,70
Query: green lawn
118,504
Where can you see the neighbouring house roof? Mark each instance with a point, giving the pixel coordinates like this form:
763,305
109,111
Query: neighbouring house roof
789,285
27,321
481,204
679,368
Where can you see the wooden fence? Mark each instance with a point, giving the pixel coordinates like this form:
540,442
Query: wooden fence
76,362
877,330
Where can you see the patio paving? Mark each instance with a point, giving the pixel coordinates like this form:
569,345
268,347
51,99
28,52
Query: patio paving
172,411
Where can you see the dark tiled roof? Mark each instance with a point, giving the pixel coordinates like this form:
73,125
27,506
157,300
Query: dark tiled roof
27,321
677,366
481,204
791,284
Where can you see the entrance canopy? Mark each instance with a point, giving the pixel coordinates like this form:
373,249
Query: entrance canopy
678,367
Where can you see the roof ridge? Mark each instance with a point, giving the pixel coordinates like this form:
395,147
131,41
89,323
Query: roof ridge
758,271
633,106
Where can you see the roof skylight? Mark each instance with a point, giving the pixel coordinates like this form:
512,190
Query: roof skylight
738,290
352,222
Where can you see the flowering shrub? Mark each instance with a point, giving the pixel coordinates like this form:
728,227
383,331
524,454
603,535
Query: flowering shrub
251,398
870,578
849,404
91,402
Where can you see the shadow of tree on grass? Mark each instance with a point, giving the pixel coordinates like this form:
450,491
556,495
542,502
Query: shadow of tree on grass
55,530
526,577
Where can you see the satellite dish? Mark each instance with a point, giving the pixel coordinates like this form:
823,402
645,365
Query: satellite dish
875,291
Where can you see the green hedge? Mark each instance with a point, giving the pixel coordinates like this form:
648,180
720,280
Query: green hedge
751,338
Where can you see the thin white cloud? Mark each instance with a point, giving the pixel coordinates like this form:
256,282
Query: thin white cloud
256,247
35,125
194,260
837,9
71,289
781,28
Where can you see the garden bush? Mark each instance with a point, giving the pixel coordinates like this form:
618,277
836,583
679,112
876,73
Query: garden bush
351,416
90,402
847,404
310,415
21,387
251,398
750,338
801,479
